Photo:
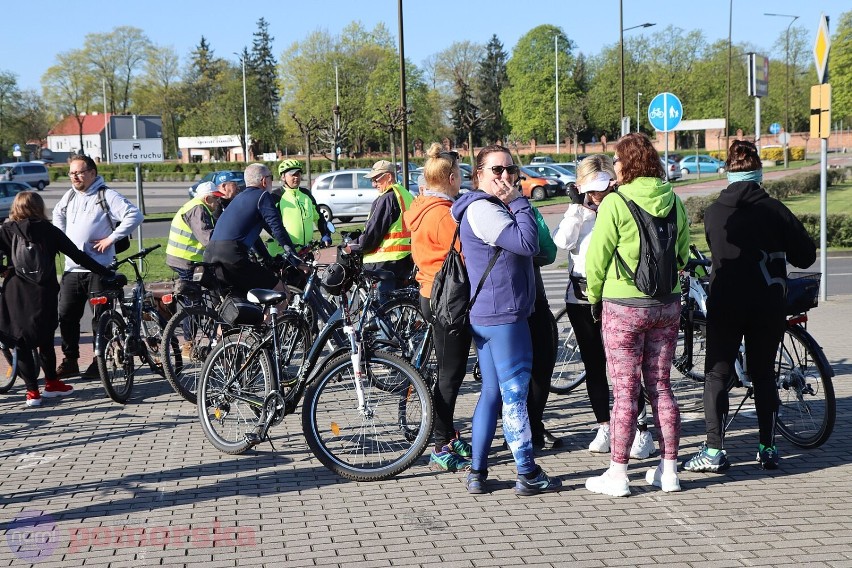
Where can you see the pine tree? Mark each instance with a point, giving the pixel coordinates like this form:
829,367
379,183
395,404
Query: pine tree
492,79
263,70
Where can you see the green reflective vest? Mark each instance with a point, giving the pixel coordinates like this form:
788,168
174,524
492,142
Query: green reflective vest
182,243
298,216
396,244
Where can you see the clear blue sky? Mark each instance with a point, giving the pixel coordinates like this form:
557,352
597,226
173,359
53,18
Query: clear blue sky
34,33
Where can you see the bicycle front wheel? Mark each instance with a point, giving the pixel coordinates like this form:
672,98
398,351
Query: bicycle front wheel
230,401
687,374
807,408
8,367
116,366
410,330
189,336
569,371
371,442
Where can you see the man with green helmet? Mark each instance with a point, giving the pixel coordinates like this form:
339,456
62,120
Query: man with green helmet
298,208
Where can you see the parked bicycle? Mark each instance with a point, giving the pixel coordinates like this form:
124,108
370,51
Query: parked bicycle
129,327
351,416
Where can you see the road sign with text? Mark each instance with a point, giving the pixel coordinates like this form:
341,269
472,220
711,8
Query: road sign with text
138,151
665,112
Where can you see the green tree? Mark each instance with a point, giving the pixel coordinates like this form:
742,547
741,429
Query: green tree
840,69
8,95
70,88
115,57
529,101
491,79
263,68
160,92
32,121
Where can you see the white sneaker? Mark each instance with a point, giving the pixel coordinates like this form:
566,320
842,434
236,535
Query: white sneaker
643,445
668,482
608,485
600,445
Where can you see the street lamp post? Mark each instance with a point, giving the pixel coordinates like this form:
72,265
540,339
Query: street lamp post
556,71
245,107
786,84
637,111
621,47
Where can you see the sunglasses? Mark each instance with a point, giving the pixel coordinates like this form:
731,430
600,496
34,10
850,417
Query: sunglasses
498,170
454,156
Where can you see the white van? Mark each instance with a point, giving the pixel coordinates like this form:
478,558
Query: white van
33,173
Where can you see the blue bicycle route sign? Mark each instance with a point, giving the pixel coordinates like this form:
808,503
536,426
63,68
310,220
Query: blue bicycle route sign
665,112
774,128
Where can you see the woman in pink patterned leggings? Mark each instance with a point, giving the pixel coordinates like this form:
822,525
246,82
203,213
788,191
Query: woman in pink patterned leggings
639,326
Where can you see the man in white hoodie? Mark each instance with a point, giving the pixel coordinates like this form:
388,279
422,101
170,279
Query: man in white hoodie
94,217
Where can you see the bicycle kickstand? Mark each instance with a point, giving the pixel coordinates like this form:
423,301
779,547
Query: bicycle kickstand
749,394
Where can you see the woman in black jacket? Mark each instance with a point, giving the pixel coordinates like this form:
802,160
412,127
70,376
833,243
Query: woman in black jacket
751,238
28,310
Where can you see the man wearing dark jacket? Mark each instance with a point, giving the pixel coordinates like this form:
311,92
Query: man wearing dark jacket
751,238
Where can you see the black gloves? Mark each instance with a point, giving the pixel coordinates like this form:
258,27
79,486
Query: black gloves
597,310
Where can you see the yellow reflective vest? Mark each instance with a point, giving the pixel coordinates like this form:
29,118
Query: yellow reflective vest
182,243
298,215
396,244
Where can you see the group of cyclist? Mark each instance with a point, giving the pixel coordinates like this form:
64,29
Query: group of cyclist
619,329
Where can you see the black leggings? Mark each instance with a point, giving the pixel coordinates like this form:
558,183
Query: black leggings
28,366
452,352
762,336
542,326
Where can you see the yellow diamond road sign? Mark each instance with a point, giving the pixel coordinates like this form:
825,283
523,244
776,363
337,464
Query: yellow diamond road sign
821,47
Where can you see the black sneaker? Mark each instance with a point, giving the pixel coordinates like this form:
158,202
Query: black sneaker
67,368
91,371
767,457
539,484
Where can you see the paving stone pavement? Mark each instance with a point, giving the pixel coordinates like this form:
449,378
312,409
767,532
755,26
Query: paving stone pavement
139,485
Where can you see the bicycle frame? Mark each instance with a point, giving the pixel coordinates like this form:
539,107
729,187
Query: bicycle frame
130,308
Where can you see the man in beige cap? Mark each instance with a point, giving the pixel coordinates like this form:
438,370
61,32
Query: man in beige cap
386,241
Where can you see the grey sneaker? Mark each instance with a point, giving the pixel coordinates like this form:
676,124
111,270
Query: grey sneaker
703,461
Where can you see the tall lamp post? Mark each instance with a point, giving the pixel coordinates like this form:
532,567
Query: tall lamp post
245,106
556,71
786,84
621,47
638,95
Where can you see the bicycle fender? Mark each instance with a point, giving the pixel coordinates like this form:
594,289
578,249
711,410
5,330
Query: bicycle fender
812,343
321,367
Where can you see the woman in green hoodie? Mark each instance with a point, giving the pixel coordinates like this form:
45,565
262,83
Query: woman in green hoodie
639,330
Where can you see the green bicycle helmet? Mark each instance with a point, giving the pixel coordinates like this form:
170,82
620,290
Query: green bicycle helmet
288,165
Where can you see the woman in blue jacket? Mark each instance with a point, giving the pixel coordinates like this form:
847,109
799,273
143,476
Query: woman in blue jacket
499,220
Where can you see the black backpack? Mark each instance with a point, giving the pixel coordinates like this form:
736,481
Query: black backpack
451,302
655,274
31,260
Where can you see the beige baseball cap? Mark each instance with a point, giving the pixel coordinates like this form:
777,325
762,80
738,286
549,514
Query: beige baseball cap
381,167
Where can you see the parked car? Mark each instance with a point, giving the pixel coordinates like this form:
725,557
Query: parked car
570,166
564,175
542,160
536,187
8,191
209,177
344,194
672,169
703,163
33,173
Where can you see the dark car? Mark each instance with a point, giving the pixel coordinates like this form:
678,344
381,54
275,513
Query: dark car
209,177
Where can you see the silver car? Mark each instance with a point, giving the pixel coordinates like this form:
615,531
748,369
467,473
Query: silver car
344,194
8,191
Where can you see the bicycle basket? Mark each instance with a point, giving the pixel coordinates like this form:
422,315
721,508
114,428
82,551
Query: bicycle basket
802,291
336,278
239,311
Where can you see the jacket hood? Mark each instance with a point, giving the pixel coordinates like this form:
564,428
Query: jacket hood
651,194
421,205
742,193
464,201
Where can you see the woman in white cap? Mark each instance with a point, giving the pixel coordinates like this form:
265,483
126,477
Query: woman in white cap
595,180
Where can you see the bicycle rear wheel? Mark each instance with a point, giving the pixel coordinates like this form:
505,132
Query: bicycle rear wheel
8,367
227,417
151,332
807,408
116,366
188,338
369,443
569,371
409,332
687,374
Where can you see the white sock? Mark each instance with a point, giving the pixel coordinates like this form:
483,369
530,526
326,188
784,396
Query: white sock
617,470
668,466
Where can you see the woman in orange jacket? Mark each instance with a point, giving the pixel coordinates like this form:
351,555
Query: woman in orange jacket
432,228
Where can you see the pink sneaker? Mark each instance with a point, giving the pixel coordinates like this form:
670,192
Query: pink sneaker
55,387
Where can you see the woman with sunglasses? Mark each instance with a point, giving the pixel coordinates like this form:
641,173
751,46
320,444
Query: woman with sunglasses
595,180
498,220
432,230
639,331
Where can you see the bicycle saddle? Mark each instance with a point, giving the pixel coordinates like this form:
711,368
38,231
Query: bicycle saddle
265,297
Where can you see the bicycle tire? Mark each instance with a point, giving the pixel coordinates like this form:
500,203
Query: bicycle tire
183,360
569,371
116,366
410,326
225,419
367,445
8,367
151,334
807,407
687,376
294,343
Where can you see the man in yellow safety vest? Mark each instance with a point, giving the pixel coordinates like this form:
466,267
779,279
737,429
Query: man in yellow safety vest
191,228
386,240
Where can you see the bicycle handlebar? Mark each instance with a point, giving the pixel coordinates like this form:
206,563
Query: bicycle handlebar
141,254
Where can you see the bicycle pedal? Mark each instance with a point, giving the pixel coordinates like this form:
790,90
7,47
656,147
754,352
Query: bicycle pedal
252,439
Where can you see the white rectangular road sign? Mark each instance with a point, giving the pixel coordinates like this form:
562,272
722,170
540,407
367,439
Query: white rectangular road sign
137,151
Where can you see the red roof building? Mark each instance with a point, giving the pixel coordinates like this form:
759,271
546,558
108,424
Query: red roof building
65,136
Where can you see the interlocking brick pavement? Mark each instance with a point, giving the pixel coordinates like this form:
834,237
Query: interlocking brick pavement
139,485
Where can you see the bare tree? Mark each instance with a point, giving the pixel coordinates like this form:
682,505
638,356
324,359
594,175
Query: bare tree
307,128
390,121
